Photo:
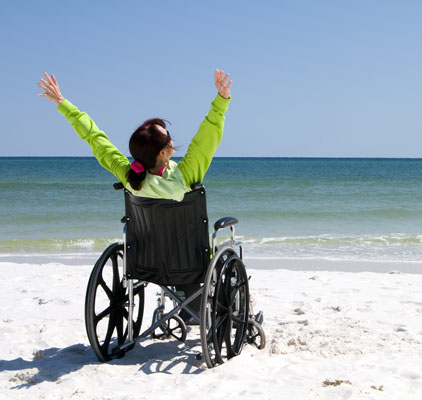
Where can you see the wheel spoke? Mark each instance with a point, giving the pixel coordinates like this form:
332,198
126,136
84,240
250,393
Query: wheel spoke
171,330
103,314
236,290
220,320
252,338
227,338
220,332
220,308
237,320
110,329
225,284
107,290
125,314
218,328
117,285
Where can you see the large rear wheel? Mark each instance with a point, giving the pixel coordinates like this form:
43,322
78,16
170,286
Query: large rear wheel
224,308
106,305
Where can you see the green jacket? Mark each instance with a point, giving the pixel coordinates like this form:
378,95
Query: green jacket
176,179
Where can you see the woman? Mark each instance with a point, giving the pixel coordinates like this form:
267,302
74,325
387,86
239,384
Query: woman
152,173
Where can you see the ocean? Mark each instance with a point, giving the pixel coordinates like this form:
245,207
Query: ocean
296,208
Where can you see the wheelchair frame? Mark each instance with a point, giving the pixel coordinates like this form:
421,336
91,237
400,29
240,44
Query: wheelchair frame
226,317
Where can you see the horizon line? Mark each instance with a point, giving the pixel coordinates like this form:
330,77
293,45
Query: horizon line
275,157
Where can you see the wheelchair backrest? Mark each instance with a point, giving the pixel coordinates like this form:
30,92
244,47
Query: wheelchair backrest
167,242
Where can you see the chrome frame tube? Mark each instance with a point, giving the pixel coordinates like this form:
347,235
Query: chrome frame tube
163,298
131,307
128,283
124,258
166,316
214,243
231,242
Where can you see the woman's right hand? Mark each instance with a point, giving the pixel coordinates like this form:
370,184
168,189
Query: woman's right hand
51,88
221,83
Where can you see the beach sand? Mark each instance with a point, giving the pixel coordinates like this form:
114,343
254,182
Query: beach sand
330,335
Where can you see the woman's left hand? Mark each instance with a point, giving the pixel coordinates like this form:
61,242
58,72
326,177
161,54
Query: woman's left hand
51,88
221,83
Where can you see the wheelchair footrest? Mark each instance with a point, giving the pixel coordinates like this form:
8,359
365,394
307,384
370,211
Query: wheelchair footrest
120,351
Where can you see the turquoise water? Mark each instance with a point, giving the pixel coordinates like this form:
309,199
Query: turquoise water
358,209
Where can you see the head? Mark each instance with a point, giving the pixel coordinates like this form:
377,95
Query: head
152,146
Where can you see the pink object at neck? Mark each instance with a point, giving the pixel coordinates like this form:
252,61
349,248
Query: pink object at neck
161,170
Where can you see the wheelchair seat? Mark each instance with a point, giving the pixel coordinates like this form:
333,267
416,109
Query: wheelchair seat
166,243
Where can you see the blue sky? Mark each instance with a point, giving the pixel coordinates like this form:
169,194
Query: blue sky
310,78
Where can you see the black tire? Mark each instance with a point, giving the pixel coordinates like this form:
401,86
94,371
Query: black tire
255,335
106,305
224,308
174,327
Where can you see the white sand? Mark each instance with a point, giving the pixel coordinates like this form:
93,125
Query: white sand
360,333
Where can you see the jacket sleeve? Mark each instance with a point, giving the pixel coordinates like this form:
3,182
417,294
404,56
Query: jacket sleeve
104,151
199,155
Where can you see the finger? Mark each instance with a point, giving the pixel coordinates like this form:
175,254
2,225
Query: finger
42,94
43,81
221,75
49,88
216,75
42,87
48,78
225,78
54,79
229,84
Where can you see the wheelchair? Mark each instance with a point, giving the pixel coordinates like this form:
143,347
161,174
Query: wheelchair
166,243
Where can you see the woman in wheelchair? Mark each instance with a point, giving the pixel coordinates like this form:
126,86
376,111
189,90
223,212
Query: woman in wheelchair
162,242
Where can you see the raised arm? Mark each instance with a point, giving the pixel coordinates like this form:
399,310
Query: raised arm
200,152
104,151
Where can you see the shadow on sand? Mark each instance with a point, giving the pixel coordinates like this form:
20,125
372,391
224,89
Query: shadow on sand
52,364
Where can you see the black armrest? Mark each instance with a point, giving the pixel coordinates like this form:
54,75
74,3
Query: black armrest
225,222
196,186
118,185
